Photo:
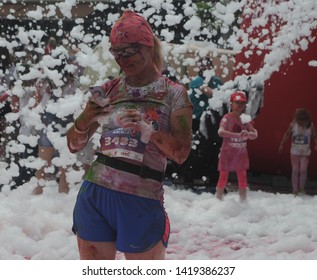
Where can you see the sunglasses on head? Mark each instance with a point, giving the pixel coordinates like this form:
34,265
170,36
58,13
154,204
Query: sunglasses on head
125,52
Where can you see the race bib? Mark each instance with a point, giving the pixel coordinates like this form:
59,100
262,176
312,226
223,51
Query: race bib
124,143
237,143
300,140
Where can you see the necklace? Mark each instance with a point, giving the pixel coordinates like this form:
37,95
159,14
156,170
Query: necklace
142,91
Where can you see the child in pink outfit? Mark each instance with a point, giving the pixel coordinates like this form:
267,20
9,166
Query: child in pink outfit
302,130
234,155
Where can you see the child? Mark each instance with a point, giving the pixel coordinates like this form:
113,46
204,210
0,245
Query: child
302,130
233,154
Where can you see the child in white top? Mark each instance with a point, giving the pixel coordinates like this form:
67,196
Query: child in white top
302,130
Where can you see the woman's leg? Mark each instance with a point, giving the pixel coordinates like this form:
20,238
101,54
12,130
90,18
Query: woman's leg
155,253
295,160
89,250
46,154
303,164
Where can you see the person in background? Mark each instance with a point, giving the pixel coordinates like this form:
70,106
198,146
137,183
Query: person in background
27,136
144,118
7,79
60,84
201,90
233,155
51,45
200,166
301,130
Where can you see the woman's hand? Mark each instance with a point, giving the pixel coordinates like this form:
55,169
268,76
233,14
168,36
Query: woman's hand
85,126
132,118
92,113
128,118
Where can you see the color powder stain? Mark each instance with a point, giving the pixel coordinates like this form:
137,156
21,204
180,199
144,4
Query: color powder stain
183,123
160,140
90,174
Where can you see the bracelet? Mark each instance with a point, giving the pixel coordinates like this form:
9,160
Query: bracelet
80,131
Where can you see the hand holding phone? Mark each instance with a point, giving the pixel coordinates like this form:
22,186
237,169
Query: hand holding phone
98,96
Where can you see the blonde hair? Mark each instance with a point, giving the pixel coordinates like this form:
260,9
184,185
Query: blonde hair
157,55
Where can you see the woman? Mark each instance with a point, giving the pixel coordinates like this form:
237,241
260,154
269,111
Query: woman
144,118
233,154
302,131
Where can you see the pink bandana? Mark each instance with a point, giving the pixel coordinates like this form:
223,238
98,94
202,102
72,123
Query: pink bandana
132,28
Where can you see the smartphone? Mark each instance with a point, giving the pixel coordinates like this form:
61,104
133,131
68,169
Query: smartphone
98,96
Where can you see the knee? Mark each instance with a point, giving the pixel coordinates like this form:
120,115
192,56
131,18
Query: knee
295,172
303,172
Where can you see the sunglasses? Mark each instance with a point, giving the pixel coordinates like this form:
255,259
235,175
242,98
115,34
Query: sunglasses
125,52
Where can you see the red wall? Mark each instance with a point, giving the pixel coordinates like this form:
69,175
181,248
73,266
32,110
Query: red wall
293,86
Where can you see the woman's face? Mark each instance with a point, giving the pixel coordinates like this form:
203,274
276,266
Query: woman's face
132,58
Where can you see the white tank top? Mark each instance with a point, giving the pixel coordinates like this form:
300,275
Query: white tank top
301,140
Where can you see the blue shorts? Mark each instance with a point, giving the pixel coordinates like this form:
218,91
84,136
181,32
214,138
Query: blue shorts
134,223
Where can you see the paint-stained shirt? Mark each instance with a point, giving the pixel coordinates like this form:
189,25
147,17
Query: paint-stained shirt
233,154
156,102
